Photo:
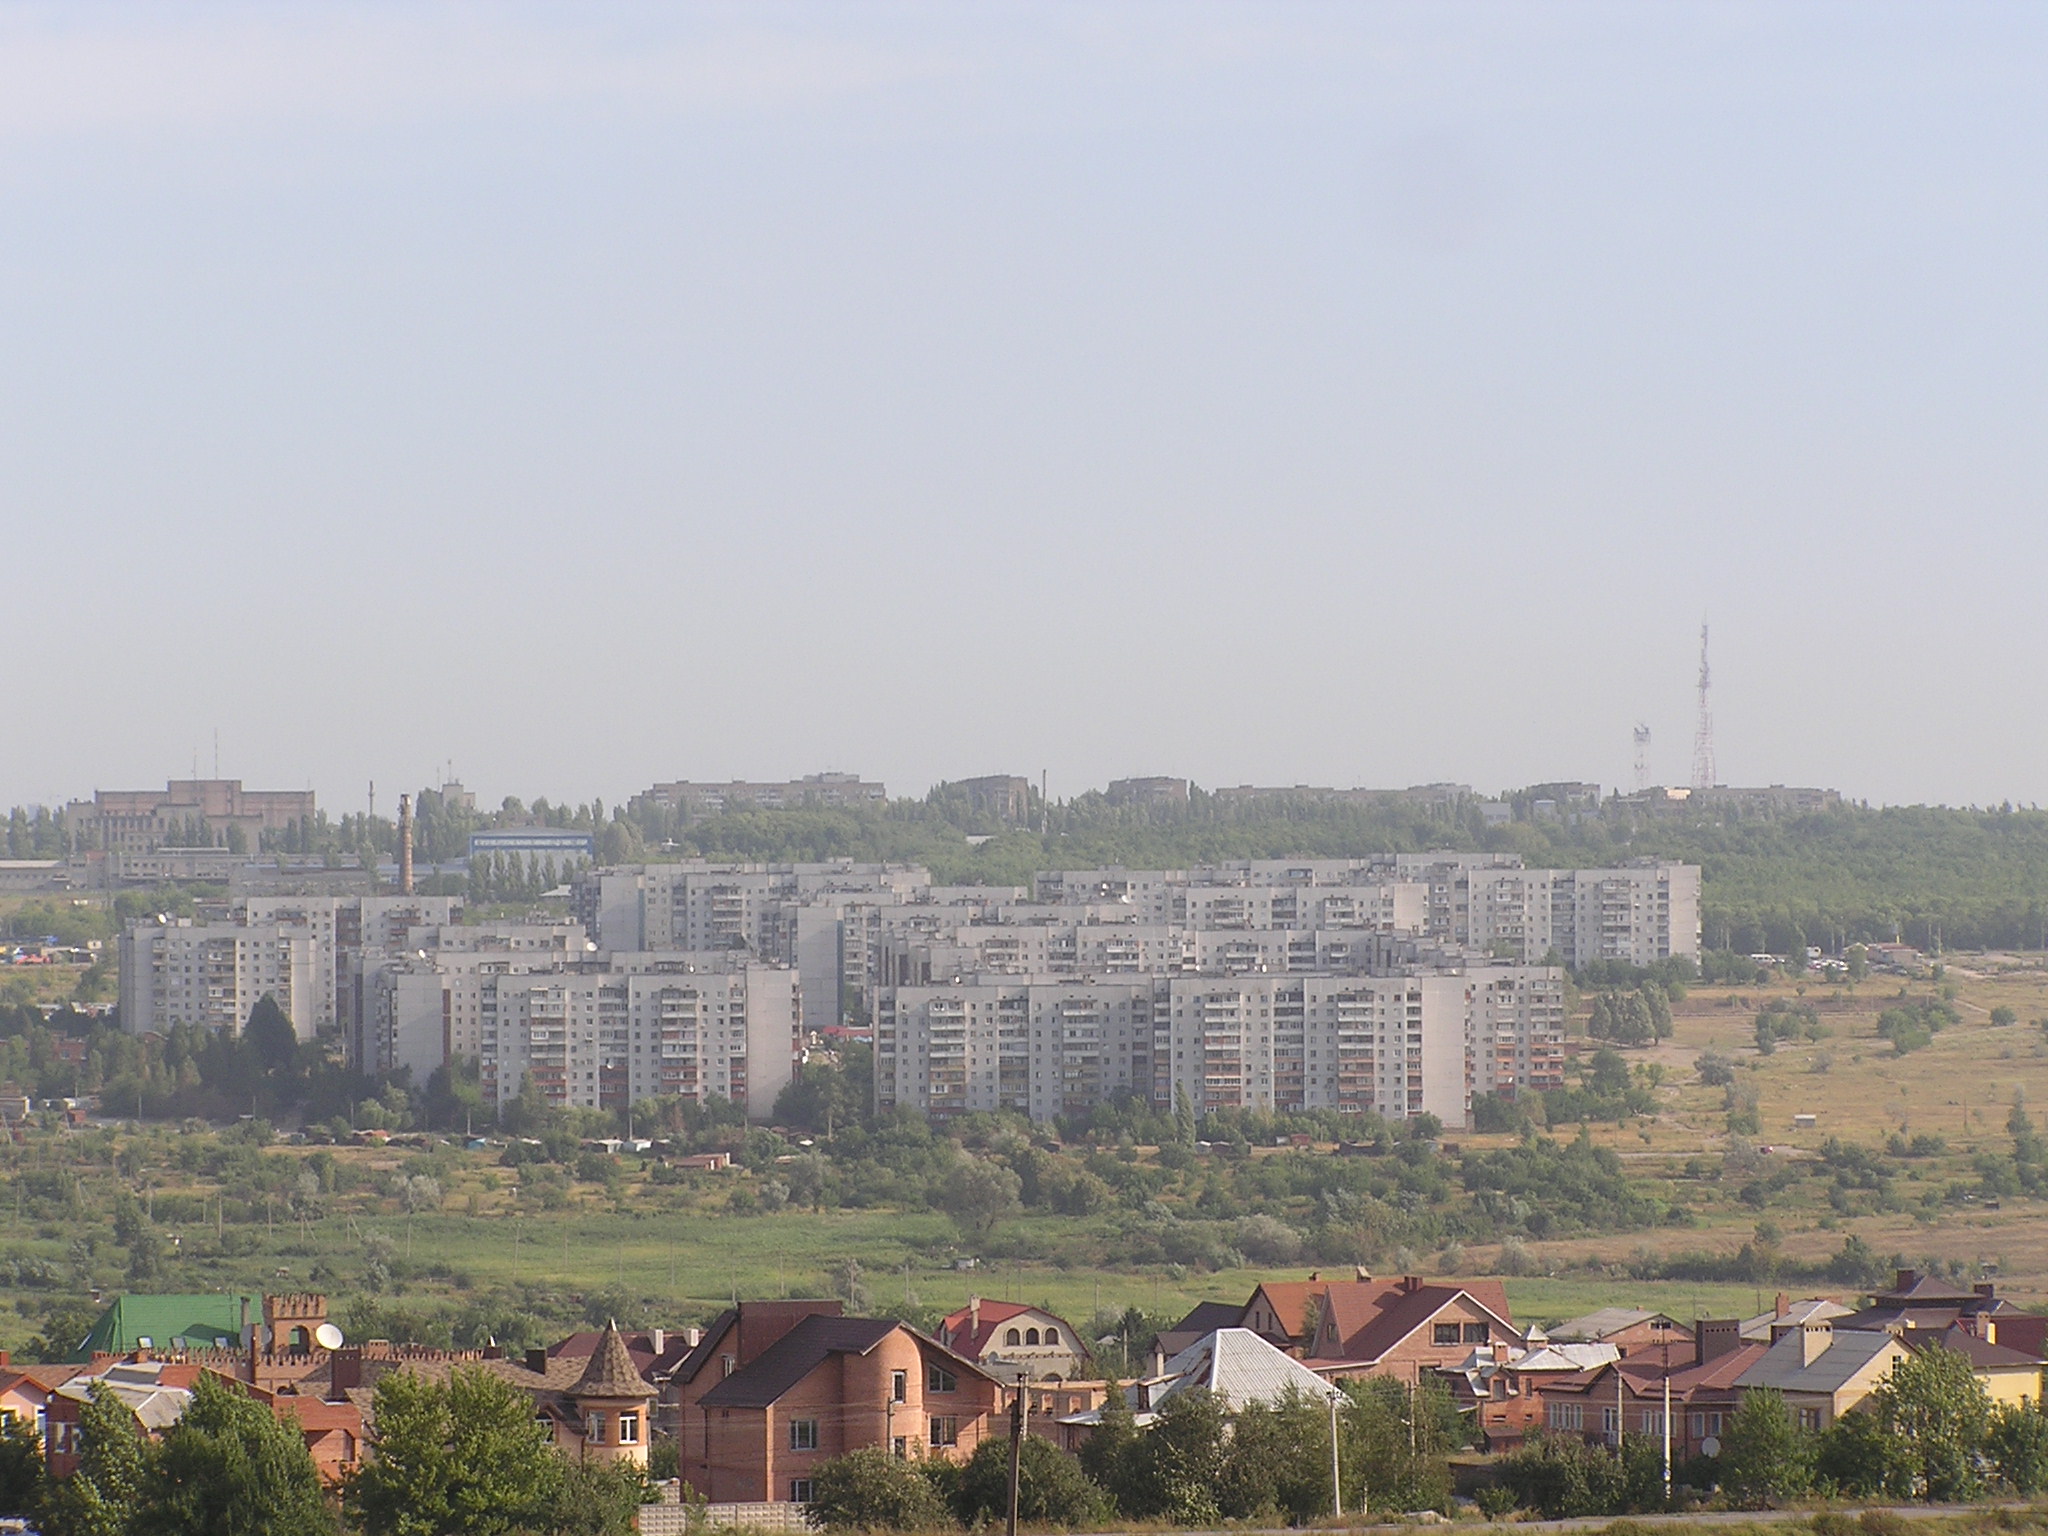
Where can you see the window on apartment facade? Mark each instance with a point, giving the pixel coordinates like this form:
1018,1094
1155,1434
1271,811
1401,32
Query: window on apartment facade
938,1379
945,1430
899,1386
629,1429
1444,1333
800,1490
803,1434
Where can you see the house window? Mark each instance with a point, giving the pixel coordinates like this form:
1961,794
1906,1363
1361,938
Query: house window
945,1430
1013,1337
1610,1421
1809,1418
800,1490
938,1379
1052,1335
1444,1333
1030,1335
593,1429
803,1434
899,1386
728,1363
1567,1415
900,1446
1475,1333
629,1429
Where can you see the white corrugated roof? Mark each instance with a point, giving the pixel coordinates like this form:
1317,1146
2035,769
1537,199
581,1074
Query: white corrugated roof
1239,1367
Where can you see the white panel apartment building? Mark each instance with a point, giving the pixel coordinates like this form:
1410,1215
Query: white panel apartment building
591,1030
212,974
1391,1045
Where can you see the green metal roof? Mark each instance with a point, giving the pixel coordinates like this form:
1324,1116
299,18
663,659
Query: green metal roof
169,1322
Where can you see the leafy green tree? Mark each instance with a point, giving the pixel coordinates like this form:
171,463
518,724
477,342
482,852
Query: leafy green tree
871,1490
598,1498
978,1193
460,1459
1172,1471
102,1496
1051,1487
1934,1405
1764,1456
22,1484
231,1467
1106,1454
2017,1443
1277,1464
1859,1457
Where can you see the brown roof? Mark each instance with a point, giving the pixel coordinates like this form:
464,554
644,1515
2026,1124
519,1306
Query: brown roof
794,1356
1371,1318
611,1372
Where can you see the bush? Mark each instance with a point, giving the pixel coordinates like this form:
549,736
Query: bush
1051,1487
871,1490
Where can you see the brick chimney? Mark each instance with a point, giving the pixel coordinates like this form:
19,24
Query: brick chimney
345,1372
1906,1280
1782,1306
537,1361
1716,1336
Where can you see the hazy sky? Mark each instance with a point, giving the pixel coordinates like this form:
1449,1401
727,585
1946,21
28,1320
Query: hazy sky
1357,394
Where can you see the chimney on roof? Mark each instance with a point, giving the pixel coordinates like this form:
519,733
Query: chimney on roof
657,1338
1158,1360
1986,1288
1716,1336
1990,1330
405,845
537,1361
1907,1279
344,1372
1411,1283
1361,1274
1814,1339
973,1316
1783,1305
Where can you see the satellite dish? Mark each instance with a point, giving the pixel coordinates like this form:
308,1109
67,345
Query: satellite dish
1711,1446
327,1336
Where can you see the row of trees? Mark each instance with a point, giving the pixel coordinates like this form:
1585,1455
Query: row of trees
1199,1463
457,1458
1929,1432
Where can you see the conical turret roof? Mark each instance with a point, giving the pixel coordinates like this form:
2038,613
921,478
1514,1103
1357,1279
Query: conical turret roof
610,1372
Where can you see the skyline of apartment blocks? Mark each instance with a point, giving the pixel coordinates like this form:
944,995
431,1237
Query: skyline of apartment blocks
709,799
1394,1045
140,820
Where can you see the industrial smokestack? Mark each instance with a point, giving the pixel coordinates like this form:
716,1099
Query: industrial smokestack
405,845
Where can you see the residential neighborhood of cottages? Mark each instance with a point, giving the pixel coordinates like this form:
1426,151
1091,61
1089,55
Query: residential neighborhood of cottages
1401,985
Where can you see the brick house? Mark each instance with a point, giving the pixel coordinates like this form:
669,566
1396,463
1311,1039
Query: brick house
1408,1327
1626,1398
1631,1330
830,1385
1006,1337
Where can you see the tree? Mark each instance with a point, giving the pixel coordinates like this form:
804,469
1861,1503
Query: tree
1172,1470
1934,1405
1858,1456
231,1467
1051,1487
461,1459
978,1193
2017,1443
871,1490
1106,1454
1561,1477
597,1498
100,1498
1278,1461
22,1485
1764,1457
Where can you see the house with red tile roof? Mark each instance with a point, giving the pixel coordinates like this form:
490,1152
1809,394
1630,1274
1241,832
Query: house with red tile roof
1008,1338
1626,1397
1408,1327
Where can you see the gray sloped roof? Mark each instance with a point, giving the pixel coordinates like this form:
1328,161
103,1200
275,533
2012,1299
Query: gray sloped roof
1239,1367
1783,1365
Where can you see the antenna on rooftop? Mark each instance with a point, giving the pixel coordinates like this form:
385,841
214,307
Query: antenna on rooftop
1703,736
1642,757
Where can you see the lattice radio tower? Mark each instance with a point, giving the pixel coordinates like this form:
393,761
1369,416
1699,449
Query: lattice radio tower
1703,736
1642,758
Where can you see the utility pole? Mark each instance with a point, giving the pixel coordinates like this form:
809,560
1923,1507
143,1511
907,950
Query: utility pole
1667,1423
1336,1476
1018,1411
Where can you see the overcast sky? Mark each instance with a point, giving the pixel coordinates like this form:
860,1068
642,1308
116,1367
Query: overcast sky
1358,394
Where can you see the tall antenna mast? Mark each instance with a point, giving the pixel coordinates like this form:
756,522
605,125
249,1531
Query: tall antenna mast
1703,737
1642,757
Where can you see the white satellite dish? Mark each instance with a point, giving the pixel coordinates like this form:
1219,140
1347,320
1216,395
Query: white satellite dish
327,1336
1711,1446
